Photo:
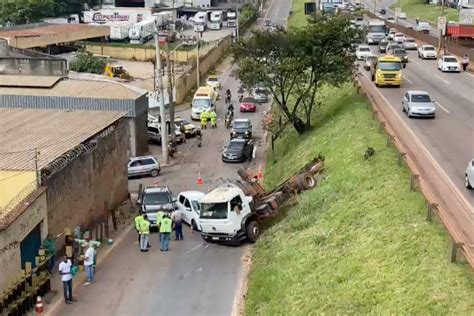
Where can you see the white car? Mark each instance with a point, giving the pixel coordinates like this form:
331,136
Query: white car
470,175
399,38
362,51
449,63
423,27
409,43
391,34
418,104
427,52
402,15
188,203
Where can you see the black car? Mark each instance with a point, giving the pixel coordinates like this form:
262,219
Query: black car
402,54
383,46
383,11
241,128
238,150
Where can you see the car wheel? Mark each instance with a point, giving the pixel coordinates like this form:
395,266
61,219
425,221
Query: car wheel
253,231
468,184
194,225
154,173
403,108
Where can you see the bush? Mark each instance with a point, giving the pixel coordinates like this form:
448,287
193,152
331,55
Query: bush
86,62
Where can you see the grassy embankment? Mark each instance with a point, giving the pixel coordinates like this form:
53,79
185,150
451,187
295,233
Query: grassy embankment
426,12
359,243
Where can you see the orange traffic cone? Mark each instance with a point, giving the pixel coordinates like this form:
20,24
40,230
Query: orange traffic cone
199,180
260,174
39,310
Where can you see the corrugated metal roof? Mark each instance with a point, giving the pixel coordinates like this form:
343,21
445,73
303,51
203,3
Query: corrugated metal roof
78,89
51,132
50,29
28,81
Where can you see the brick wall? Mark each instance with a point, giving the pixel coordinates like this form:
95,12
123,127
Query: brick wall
76,194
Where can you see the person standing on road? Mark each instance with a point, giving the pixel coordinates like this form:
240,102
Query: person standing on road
66,276
50,245
89,263
144,233
177,218
465,62
159,217
165,232
213,116
417,20
204,117
137,220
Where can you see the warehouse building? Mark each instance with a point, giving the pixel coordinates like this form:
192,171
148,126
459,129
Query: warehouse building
58,169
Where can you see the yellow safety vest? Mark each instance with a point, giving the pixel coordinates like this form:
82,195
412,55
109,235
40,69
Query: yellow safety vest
213,115
145,227
165,225
204,115
138,219
159,217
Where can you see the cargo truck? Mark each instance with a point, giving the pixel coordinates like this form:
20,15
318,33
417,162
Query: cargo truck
200,21
375,31
231,18
119,31
233,212
142,32
216,20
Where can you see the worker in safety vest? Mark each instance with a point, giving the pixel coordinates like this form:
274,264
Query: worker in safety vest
213,116
144,233
204,118
137,221
165,232
159,217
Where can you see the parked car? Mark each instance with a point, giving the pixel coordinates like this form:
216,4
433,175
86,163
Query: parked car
382,11
427,52
401,53
154,135
449,64
143,166
391,47
154,199
213,81
188,203
369,61
410,43
248,104
241,128
419,104
260,94
402,15
399,38
382,48
423,27
238,150
362,51
268,22
469,174
185,127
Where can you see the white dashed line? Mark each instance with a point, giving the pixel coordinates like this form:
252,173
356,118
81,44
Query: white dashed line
254,152
441,78
415,62
404,77
444,109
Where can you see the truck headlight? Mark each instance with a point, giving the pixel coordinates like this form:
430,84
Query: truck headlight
246,133
399,75
379,75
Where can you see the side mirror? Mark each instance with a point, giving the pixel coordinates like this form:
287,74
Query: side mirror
188,209
174,200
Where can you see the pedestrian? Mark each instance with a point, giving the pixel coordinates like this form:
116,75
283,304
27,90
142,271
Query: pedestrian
137,221
50,245
417,20
213,116
165,232
159,217
66,276
465,62
199,137
144,233
177,218
89,263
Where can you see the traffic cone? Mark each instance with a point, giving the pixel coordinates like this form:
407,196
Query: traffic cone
260,174
39,309
199,180
156,183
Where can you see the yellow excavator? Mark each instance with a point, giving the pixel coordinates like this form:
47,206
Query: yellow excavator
116,71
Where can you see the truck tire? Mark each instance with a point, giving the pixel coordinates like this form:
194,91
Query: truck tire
253,231
243,173
305,181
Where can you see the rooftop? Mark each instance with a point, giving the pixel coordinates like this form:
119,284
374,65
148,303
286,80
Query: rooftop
28,81
51,132
220,195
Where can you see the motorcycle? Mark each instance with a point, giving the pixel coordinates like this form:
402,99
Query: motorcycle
172,149
241,97
228,118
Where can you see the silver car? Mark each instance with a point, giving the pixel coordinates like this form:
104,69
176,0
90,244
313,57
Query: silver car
260,95
143,166
470,175
410,43
418,104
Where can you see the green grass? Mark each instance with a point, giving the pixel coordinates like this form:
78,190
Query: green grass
358,243
297,18
426,12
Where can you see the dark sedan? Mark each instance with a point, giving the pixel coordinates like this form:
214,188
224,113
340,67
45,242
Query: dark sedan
241,128
402,54
383,46
238,150
248,104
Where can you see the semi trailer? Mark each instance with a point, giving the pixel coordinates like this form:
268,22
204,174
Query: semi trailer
233,212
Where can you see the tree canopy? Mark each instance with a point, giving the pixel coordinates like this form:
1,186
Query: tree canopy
293,64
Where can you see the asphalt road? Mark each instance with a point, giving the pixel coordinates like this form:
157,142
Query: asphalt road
193,278
450,136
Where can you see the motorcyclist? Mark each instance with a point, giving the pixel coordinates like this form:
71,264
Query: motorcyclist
213,116
199,137
228,93
228,117
231,108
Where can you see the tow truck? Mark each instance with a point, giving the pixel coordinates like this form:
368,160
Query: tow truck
234,211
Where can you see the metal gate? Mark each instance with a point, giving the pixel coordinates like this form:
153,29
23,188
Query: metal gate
30,245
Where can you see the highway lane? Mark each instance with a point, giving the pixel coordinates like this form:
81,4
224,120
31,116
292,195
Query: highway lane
449,137
278,12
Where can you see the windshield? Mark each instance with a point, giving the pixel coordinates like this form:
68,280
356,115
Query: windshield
214,210
377,29
364,49
260,91
235,145
201,103
389,66
450,60
156,198
409,40
196,206
399,52
248,100
211,79
420,98
428,48
240,125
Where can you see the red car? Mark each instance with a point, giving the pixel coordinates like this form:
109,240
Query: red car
248,104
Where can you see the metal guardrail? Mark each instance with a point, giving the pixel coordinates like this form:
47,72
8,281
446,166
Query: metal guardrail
423,172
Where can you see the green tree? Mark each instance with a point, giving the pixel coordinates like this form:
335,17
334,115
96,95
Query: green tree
293,64
25,11
86,62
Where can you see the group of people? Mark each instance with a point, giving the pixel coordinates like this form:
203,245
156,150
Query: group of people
166,222
208,116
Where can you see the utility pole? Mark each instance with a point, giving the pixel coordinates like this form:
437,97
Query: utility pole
160,92
198,73
237,23
37,171
397,12
170,94
375,7
441,32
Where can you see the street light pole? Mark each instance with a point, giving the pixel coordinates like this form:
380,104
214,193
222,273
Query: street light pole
198,72
441,32
237,23
160,92
397,13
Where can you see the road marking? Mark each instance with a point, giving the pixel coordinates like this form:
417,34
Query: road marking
441,78
468,73
254,152
268,10
445,109
414,61
196,247
404,77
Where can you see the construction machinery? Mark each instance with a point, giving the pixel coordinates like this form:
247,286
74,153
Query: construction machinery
234,211
116,71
